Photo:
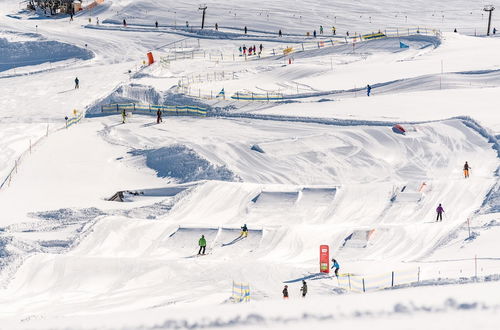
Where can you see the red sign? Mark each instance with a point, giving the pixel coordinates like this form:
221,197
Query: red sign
324,259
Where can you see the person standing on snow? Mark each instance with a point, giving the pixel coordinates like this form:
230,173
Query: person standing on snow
260,48
202,242
156,24
303,289
321,29
77,83
244,231
124,115
439,211
158,116
285,292
368,90
279,33
216,27
314,33
246,30
335,265
466,170
124,23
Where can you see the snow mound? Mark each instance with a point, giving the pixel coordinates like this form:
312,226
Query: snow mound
183,165
15,54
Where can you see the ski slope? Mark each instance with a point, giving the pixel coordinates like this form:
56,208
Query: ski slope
322,166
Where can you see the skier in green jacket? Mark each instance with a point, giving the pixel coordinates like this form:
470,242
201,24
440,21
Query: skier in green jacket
202,242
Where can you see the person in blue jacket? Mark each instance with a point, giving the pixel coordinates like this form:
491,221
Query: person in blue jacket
368,90
335,265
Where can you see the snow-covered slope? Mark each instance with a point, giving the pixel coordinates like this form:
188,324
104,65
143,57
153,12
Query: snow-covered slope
323,165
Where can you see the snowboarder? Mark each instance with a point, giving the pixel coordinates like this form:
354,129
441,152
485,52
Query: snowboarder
244,231
321,29
156,24
77,83
202,242
124,23
303,289
439,211
158,116
216,27
246,30
368,90
466,169
335,265
314,33
285,292
279,33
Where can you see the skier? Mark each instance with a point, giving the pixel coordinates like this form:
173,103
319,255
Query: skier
244,50
439,212
202,242
347,33
304,289
314,33
250,49
244,231
156,24
254,50
124,115
216,27
494,30
97,20
260,48
466,170
158,116
285,292
279,33
246,30
77,83
321,29
335,265
368,90
124,23
241,51
187,24
334,30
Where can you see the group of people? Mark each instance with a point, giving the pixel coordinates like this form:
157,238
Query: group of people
440,209
303,288
202,242
252,50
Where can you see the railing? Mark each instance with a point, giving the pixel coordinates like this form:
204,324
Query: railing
69,122
169,110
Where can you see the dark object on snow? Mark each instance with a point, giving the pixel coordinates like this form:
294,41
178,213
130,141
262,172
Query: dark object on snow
304,288
118,197
285,292
398,129
256,147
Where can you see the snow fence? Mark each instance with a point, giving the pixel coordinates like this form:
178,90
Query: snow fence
151,109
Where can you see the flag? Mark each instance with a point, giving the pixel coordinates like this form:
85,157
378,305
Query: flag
221,94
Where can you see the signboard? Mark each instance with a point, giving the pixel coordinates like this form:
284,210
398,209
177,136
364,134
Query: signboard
324,259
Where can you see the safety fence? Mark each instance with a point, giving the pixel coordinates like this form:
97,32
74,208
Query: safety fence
240,292
289,49
357,283
185,88
169,110
69,122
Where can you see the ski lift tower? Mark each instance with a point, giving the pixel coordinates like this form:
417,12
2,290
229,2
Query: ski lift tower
489,8
204,8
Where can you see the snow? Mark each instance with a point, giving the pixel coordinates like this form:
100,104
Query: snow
319,165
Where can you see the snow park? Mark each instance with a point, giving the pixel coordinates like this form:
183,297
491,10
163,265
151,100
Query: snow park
249,164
